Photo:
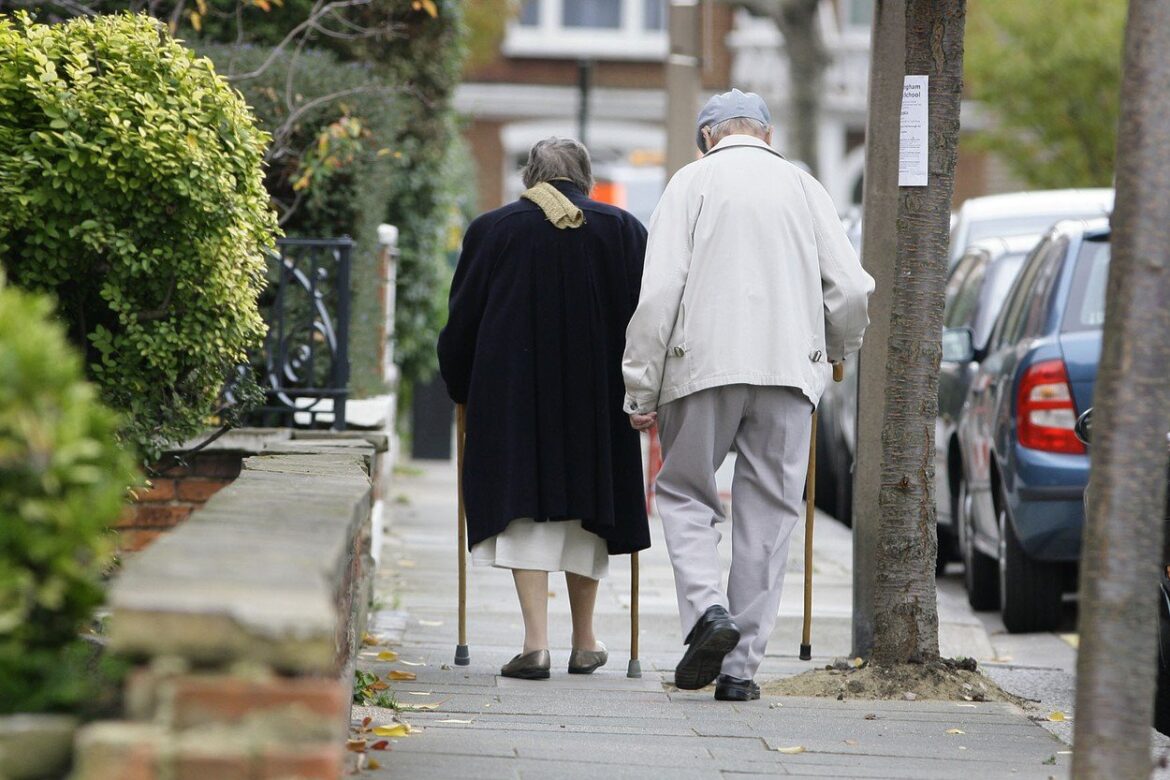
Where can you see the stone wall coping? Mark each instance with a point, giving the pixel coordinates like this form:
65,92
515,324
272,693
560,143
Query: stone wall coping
258,573
254,441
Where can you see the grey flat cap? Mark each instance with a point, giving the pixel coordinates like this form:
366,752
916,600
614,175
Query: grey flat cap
731,105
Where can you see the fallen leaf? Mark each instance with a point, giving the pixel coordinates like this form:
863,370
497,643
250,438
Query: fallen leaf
380,745
413,663
397,730
367,720
791,750
1057,716
871,716
430,622
369,639
378,686
858,663
387,655
955,731
355,745
398,674
373,764
452,720
851,742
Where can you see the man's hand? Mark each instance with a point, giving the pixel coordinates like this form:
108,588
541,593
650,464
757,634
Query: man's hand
642,422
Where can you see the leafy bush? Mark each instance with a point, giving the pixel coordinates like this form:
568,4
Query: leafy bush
63,480
340,145
131,186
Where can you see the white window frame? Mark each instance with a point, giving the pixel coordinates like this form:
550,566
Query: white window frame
550,38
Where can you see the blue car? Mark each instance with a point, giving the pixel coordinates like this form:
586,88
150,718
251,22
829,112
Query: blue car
1019,498
977,288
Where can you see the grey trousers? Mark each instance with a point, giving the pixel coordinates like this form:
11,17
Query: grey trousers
769,427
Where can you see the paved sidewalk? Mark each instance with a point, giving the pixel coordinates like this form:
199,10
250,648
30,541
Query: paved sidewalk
608,725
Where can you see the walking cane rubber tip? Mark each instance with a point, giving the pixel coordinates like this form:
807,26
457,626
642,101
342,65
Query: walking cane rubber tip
634,669
462,656
806,652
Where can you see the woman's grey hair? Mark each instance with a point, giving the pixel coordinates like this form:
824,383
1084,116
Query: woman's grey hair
739,125
558,158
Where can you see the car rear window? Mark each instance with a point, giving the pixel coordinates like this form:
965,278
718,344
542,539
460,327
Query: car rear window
1086,302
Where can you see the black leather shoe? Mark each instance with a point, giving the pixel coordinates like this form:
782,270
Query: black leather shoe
714,636
728,688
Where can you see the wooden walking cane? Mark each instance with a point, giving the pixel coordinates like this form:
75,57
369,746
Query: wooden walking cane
635,667
810,490
462,656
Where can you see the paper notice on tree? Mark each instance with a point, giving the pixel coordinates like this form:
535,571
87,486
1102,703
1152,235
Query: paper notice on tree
912,146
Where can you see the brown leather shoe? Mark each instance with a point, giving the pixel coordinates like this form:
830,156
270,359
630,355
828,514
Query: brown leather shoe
528,666
586,661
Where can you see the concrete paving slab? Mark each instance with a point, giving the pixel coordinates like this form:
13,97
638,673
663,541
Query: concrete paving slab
607,726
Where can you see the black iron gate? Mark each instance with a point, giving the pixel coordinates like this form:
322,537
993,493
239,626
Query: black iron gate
305,368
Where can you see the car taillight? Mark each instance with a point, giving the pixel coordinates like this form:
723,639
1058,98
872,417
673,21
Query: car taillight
1045,414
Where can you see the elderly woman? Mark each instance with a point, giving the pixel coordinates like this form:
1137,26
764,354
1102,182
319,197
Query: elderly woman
533,347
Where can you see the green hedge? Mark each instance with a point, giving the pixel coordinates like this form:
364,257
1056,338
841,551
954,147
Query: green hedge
63,481
131,187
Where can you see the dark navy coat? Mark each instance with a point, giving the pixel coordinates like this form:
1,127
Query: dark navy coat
533,346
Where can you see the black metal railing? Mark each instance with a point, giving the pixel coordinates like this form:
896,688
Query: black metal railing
304,370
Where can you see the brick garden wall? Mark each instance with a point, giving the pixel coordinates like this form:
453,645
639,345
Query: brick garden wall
171,498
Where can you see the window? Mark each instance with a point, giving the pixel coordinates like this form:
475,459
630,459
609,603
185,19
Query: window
962,314
603,29
995,291
605,14
1086,303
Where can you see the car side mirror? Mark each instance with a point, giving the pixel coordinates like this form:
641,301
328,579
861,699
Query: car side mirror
958,345
1083,426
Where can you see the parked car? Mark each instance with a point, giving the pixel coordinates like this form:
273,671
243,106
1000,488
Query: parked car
1083,432
1019,504
990,216
976,289
1022,213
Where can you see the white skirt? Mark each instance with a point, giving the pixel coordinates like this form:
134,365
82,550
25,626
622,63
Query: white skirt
558,545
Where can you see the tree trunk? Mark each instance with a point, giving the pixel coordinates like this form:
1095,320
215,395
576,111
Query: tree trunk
807,60
905,608
1123,535
878,252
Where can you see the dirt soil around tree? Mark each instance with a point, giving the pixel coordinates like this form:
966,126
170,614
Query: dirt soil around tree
945,679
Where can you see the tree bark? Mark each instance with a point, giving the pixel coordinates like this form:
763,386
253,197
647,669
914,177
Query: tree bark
905,608
807,61
878,251
1124,529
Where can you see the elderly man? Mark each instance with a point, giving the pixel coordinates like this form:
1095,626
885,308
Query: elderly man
750,290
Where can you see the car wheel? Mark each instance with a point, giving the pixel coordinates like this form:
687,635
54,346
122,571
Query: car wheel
1029,590
980,572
